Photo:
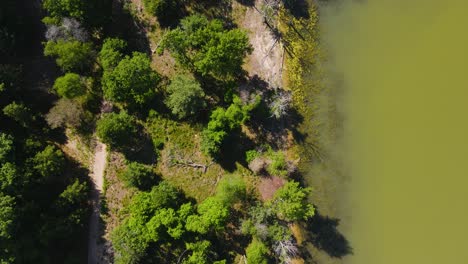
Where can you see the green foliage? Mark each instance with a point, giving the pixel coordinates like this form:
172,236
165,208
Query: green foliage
8,177
199,251
278,166
132,81
257,252
231,189
112,52
212,215
221,123
130,241
117,130
252,154
65,8
154,217
138,175
7,216
66,112
206,47
72,56
18,112
290,202
70,86
186,97
6,147
49,162
72,202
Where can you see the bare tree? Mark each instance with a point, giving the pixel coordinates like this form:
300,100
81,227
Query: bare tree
70,28
285,250
280,103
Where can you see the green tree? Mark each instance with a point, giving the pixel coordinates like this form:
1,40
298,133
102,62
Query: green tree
132,81
199,251
65,8
71,55
112,52
207,47
212,214
231,189
49,162
70,86
7,216
18,112
8,177
6,147
257,252
117,130
186,97
130,241
290,202
223,121
138,175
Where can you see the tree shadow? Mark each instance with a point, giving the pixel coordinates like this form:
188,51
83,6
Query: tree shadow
125,26
268,128
233,150
298,8
324,235
249,3
142,151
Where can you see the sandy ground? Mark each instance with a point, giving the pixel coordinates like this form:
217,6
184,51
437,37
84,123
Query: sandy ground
97,177
267,57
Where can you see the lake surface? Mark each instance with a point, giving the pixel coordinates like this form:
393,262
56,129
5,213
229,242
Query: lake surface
403,67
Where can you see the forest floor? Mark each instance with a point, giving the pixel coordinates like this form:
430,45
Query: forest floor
97,178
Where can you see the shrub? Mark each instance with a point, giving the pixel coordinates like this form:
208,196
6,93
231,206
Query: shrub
230,189
112,52
290,202
117,130
70,86
186,97
71,55
18,112
49,162
132,82
256,252
138,175
206,47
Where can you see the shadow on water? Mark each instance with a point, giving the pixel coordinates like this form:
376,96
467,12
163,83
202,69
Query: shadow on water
325,236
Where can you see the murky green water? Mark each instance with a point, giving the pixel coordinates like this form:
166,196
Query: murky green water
404,67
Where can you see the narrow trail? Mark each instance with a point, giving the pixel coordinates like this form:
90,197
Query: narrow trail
97,177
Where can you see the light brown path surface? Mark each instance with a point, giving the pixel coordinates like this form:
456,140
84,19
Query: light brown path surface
97,177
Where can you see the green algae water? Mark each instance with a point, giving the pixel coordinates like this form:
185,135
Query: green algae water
404,69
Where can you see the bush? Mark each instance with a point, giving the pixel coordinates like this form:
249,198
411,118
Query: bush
117,130
250,155
72,56
186,97
278,165
132,82
112,52
6,147
70,86
290,202
231,189
256,252
18,112
49,162
221,123
138,175
206,47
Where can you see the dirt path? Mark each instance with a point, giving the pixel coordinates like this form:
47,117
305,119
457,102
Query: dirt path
97,177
